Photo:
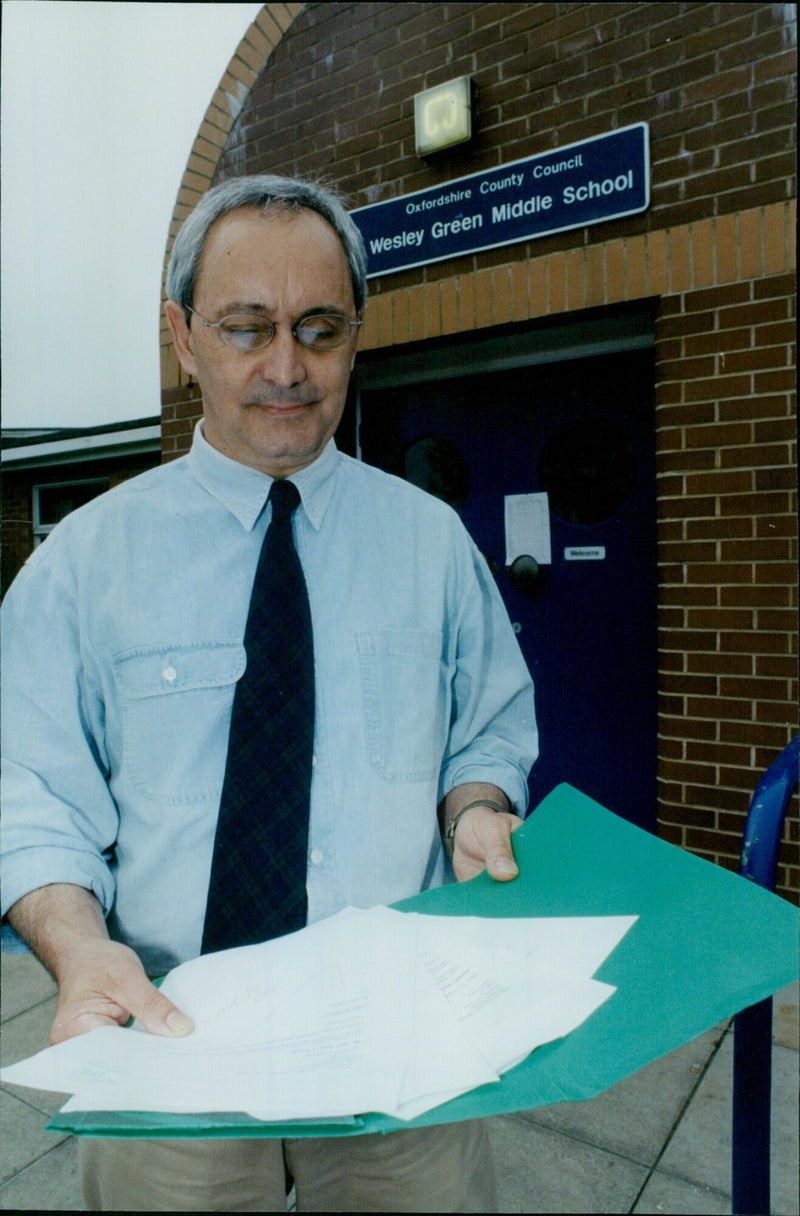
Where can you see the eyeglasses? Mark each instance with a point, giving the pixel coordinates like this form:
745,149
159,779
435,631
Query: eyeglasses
322,331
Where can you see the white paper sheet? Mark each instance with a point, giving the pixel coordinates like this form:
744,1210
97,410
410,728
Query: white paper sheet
527,520
530,976
368,1011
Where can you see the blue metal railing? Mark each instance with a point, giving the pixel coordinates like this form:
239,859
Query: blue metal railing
752,1028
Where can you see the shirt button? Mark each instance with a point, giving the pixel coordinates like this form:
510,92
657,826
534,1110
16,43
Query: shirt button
313,761
169,674
317,856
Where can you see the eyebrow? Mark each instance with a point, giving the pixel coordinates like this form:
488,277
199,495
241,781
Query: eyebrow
247,306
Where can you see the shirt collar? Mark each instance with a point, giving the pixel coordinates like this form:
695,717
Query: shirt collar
244,490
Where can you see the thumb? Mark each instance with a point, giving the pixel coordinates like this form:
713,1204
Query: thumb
156,1012
500,863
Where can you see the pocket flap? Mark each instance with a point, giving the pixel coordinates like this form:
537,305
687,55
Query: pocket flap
152,671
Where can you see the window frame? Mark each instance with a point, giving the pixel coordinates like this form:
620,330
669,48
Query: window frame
42,530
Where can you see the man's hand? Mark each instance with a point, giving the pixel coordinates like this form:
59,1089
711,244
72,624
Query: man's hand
482,839
104,984
100,982
483,842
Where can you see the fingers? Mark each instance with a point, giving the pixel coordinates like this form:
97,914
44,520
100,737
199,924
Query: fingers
107,987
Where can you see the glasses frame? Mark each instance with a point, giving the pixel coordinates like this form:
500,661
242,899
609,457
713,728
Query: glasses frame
294,325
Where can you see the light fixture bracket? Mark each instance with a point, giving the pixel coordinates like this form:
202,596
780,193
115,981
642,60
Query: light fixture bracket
443,116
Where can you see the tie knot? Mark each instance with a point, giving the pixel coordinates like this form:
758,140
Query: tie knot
284,497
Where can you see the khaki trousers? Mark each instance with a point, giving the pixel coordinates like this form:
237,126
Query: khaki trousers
435,1169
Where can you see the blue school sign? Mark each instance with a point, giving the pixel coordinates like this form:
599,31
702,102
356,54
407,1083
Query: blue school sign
600,179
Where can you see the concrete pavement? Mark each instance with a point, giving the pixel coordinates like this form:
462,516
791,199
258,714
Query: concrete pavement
658,1142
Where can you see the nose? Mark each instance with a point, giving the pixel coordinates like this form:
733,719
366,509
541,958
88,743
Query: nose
281,362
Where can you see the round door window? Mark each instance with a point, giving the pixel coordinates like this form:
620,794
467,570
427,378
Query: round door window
436,463
588,468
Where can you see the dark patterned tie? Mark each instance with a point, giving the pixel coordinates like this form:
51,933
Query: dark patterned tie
257,888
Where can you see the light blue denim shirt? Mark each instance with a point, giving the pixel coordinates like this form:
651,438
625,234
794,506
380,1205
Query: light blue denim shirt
123,645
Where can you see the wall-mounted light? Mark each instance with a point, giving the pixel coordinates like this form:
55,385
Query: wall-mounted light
443,116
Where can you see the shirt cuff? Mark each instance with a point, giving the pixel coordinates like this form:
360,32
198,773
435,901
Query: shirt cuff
40,866
505,777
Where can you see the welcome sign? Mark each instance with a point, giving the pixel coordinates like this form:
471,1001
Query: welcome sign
591,182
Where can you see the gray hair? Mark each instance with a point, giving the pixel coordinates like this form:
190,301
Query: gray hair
262,191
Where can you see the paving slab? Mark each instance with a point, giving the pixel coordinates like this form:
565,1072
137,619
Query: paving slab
49,1184
539,1170
786,1016
23,1036
24,982
635,1117
28,1032
22,1135
700,1150
674,1197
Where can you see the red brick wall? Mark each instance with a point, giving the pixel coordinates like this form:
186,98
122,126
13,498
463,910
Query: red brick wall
17,529
727,556
716,85
17,500
714,81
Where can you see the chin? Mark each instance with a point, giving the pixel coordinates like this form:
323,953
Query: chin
281,460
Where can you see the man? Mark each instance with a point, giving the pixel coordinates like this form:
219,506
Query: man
124,638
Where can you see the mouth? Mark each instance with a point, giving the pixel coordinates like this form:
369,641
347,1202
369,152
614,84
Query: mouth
281,409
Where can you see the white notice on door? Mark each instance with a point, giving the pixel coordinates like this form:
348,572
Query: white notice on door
527,527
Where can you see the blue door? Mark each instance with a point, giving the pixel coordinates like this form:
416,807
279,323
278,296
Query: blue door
581,430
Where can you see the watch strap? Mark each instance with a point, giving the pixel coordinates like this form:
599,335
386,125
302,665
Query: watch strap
450,831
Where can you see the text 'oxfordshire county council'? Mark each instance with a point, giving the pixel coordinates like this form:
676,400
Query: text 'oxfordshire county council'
599,180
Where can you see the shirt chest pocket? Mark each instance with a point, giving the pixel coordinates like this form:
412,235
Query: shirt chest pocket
405,702
176,706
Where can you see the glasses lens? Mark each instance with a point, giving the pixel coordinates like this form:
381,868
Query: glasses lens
246,333
322,332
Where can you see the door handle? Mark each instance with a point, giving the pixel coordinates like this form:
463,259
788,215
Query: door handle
525,574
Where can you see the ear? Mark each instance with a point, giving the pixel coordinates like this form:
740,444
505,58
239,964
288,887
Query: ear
181,336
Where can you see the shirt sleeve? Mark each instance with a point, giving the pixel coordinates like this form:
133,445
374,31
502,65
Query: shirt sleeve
493,735
59,819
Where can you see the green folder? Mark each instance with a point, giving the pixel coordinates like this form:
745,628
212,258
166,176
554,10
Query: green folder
707,944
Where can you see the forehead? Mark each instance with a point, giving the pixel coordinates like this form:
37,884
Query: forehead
274,257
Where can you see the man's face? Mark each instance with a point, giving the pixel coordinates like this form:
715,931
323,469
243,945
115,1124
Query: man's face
274,408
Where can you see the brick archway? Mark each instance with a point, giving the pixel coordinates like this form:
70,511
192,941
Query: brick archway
229,98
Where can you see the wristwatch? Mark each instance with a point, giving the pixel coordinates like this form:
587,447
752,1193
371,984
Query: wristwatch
448,838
